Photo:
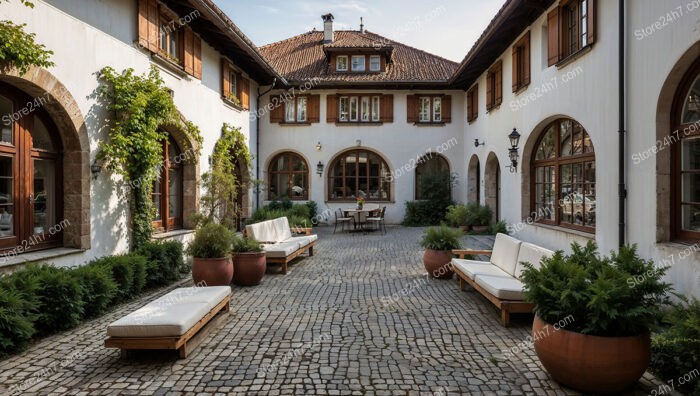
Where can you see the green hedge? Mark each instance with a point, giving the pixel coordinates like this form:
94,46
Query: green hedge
40,300
299,215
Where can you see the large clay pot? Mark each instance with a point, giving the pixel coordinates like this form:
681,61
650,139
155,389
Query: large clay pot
438,264
213,272
249,268
591,364
480,229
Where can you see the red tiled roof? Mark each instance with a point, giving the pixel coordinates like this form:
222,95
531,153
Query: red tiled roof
303,57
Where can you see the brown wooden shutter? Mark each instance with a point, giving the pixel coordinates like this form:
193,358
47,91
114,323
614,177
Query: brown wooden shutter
516,82
489,90
153,22
313,110
447,109
197,57
225,79
553,37
386,108
499,84
412,109
244,90
591,13
189,50
526,54
332,109
143,24
470,106
277,112
475,102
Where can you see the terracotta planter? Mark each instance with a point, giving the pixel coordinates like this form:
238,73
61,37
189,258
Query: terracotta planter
480,229
437,263
213,272
249,268
591,364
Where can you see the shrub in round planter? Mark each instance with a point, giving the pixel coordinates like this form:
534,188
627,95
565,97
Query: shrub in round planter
211,255
249,263
439,243
457,216
609,305
479,217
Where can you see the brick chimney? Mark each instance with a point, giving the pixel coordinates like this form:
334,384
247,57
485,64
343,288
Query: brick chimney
327,28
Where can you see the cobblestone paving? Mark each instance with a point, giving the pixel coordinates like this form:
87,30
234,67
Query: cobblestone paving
325,328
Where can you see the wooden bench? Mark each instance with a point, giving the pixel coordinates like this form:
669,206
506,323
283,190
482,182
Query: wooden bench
279,243
180,321
497,279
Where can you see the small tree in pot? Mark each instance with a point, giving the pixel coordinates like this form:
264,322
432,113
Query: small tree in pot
439,243
608,306
249,262
211,255
457,216
481,219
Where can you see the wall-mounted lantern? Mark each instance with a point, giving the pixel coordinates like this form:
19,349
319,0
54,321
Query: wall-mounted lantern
95,168
318,146
514,138
319,168
477,144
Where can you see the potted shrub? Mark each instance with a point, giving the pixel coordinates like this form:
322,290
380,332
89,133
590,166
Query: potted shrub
211,255
481,219
457,216
612,304
249,263
439,243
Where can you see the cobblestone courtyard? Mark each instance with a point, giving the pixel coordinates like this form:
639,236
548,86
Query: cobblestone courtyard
325,328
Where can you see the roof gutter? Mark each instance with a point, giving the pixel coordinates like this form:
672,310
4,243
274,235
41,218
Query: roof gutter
257,139
622,187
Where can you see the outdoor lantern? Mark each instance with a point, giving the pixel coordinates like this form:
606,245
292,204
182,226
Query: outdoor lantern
477,144
95,168
318,146
514,138
319,168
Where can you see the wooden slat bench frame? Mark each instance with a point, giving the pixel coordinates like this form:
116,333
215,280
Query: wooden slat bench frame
184,344
505,306
284,261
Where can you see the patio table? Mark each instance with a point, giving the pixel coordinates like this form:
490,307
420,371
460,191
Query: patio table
360,216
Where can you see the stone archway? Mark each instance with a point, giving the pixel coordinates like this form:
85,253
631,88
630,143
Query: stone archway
492,188
474,180
65,112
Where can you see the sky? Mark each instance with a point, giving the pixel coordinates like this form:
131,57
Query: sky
447,28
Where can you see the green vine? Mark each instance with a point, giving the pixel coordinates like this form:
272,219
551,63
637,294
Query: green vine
18,49
221,183
142,106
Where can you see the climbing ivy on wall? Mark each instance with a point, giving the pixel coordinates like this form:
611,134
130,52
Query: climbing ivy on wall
142,106
18,49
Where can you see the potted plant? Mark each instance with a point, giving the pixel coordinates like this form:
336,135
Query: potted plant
439,243
457,216
249,263
211,255
481,219
612,304
360,203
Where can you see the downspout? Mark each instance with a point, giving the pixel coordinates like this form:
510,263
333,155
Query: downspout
257,140
622,187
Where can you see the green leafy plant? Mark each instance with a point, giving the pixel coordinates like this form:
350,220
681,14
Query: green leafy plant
436,191
246,245
60,298
143,105
478,215
128,271
457,215
620,295
18,311
298,215
211,241
165,262
499,228
98,287
442,238
18,49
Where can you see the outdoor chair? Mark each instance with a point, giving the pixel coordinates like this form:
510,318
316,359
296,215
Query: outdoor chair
378,219
341,219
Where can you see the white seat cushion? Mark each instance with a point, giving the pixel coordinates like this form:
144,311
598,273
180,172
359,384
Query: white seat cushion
263,232
502,287
282,229
171,315
505,253
473,268
303,240
281,249
532,254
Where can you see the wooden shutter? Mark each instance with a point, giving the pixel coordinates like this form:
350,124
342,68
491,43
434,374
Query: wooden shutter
499,84
526,54
470,106
143,24
313,109
197,57
153,22
521,49
516,60
553,37
591,13
277,112
332,109
447,109
189,50
225,79
475,101
243,86
489,90
412,109
386,108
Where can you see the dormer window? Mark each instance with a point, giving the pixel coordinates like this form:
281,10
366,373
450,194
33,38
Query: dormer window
375,63
358,63
341,63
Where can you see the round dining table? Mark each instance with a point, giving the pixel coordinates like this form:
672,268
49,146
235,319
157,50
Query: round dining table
360,216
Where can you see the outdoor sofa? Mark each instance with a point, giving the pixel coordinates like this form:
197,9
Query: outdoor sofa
498,279
279,244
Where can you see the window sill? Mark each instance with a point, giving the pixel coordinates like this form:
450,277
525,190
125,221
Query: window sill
430,124
521,89
583,234
169,65
171,234
233,104
492,109
358,123
473,120
39,256
573,57
293,124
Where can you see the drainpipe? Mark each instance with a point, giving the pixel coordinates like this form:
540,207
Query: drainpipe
622,188
257,140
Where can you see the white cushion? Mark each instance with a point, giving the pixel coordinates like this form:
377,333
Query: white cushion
303,240
473,268
282,229
505,253
532,254
502,287
281,249
263,232
171,315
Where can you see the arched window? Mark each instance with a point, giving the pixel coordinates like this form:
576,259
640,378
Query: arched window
167,189
563,177
433,167
289,177
31,207
359,173
685,192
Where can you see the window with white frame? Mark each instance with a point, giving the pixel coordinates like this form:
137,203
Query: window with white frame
341,63
354,113
301,109
424,109
344,110
375,63
289,110
358,63
296,110
375,109
437,109
365,108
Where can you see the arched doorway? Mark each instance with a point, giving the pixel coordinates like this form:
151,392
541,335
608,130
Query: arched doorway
474,180
492,189
431,172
